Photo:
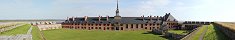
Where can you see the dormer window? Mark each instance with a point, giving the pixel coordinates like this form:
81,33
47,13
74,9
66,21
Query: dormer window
93,22
168,20
101,22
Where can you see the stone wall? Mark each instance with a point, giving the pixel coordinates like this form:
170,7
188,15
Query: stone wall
224,28
49,27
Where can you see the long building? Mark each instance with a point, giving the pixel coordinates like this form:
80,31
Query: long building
118,22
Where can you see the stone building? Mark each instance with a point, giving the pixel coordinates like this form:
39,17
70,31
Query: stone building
118,22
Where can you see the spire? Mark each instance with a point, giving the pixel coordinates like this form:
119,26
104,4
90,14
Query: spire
117,16
117,11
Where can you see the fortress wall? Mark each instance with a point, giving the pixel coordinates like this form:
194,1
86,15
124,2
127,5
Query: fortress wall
226,29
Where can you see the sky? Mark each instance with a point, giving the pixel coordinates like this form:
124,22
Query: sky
182,10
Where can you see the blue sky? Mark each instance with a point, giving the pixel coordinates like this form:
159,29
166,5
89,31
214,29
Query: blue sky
197,10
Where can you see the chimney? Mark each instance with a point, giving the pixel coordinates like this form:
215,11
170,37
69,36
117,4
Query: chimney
85,17
99,18
150,17
68,18
143,17
107,18
157,17
73,18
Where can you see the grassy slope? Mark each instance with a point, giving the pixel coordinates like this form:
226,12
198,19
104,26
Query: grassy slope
19,30
214,34
70,34
36,34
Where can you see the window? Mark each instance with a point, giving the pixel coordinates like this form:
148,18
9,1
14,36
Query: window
121,28
142,25
107,27
158,24
136,25
104,28
108,24
126,25
104,24
96,28
121,24
131,25
99,27
99,24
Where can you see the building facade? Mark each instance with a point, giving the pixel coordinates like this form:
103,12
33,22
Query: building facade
118,22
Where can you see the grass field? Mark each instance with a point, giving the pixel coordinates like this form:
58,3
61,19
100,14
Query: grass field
19,30
71,34
183,32
214,34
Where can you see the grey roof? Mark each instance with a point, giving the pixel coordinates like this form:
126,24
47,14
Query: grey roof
123,20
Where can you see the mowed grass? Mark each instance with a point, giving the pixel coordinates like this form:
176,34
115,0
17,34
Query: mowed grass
183,32
72,34
197,35
19,30
36,33
214,34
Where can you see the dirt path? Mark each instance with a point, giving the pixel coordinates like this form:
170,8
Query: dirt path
30,30
203,33
188,37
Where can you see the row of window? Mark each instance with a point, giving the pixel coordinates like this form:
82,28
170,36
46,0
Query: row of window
171,23
113,24
104,28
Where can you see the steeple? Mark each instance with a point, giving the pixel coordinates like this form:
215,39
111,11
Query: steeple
117,16
117,11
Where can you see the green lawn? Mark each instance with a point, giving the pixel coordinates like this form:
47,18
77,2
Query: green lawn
71,34
36,33
214,34
183,32
19,30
